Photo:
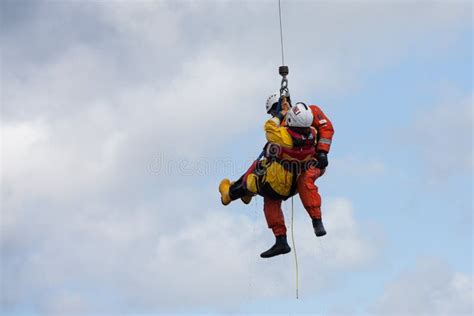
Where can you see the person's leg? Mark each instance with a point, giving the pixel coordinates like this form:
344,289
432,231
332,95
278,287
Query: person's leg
308,192
276,222
274,216
311,199
231,191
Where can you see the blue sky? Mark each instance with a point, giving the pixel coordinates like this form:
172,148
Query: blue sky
119,119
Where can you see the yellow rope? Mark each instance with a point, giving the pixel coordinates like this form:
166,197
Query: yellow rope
294,247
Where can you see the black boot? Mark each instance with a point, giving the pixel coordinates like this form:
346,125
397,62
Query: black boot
237,189
280,247
318,227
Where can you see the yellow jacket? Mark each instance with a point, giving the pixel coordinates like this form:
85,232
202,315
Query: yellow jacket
275,133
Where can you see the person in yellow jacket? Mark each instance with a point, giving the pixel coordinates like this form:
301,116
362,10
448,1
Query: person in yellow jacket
290,151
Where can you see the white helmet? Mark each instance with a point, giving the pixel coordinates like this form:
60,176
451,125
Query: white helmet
299,115
274,98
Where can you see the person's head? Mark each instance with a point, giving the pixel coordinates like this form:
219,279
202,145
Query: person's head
299,115
272,104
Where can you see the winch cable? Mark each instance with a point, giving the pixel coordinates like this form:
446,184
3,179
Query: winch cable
283,70
281,35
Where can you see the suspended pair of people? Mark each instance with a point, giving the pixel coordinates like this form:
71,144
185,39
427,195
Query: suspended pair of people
298,141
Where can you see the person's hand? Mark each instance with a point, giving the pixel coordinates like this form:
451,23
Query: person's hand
281,116
285,105
322,158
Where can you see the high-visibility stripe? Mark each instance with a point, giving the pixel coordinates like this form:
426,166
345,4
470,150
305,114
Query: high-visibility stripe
325,141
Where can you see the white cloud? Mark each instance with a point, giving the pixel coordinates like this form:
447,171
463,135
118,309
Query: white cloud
148,43
443,136
66,303
355,165
56,161
87,103
431,287
211,261
104,119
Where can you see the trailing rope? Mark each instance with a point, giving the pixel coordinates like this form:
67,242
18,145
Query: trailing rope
294,247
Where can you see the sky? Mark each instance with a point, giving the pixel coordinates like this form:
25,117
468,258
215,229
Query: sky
120,118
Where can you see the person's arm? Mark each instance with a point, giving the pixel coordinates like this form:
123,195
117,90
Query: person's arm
272,129
324,127
275,132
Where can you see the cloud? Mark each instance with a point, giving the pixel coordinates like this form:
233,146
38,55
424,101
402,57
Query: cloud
108,103
443,137
355,165
66,304
92,92
69,259
123,46
431,287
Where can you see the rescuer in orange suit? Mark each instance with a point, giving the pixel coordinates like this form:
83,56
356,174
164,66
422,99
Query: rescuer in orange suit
307,188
